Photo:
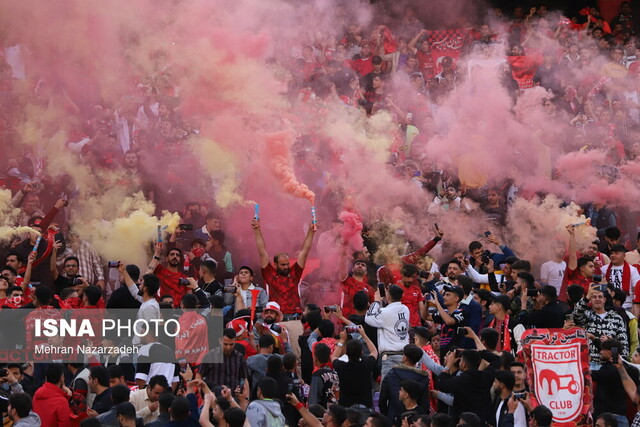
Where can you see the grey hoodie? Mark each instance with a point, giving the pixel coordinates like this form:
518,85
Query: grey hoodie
265,413
31,420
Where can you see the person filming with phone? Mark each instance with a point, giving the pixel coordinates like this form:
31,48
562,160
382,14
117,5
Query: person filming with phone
600,322
609,393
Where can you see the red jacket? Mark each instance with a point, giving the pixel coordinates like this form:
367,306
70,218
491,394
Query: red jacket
51,404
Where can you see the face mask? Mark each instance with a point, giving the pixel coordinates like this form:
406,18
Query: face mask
198,252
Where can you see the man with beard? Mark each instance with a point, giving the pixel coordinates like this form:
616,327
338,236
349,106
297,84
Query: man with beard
170,275
271,316
282,280
356,282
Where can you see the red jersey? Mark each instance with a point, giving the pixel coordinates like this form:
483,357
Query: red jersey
411,297
573,277
362,66
425,64
284,289
351,286
169,283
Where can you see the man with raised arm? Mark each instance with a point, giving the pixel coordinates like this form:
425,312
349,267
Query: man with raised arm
282,280
580,271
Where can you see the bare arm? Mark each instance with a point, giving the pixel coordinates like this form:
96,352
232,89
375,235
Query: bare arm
262,248
308,417
155,260
27,274
414,41
573,258
372,348
627,382
133,289
306,245
53,265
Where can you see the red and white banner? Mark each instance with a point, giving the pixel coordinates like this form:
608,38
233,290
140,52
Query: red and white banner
558,373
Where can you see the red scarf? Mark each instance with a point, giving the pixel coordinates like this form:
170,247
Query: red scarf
505,333
50,237
626,276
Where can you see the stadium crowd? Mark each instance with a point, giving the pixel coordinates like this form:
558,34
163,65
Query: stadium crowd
425,341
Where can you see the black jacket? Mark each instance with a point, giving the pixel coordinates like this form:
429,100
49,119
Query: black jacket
390,404
548,317
471,389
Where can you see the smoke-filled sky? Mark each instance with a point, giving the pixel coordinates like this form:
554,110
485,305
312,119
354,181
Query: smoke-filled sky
268,133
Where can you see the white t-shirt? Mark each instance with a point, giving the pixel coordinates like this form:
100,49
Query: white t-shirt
553,272
616,280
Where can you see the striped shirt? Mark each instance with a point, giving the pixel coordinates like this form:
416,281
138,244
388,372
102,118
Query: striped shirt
91,267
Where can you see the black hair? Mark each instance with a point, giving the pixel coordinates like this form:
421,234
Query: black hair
583,260
322,352
338,413
413,389
218,236
440,420
422,332
179,409
466,283
409,270
120,393
152,282
269,387
134,272
235,417
229,333
413,353
10,269
610,343
21,402
517,365
189,301
395,292
289,361
313,319
360,301
72,258
244,267
474,245
490,337
93,294
198,241
274,365
612,232
165,400
18,256
43,295
326,328
210,265
115,371
471,359
528,278
575,293
507,378
53,372
266,341
521,264
100,373
619,295
354,350
469,419
160,380
544,416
